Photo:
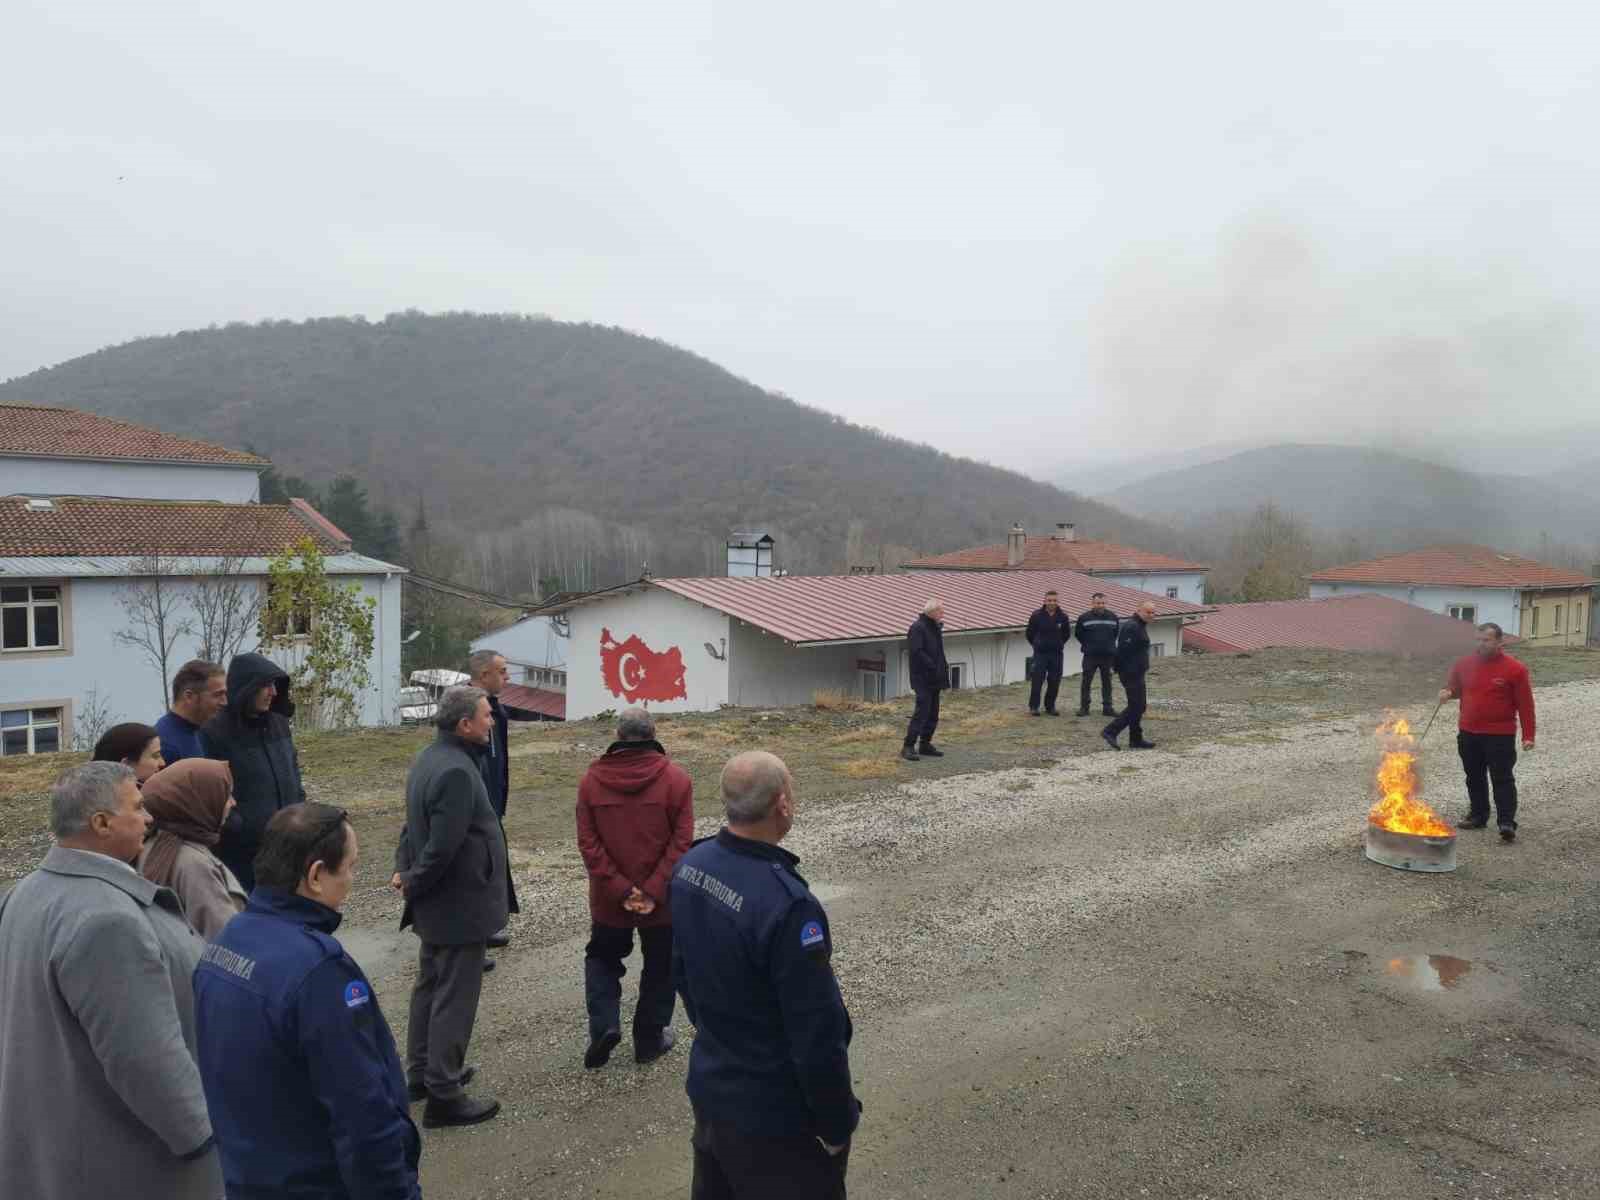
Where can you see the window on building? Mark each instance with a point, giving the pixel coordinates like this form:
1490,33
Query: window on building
1464,612
296,623
1534,632
30,617
30,731
873,687
1157,649
956,671
1172,593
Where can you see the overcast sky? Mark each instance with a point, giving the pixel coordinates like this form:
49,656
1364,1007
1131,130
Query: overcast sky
994,227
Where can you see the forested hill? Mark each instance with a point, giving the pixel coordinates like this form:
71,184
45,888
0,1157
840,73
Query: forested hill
556,441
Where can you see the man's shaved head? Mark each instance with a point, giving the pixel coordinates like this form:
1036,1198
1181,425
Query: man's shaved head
752,784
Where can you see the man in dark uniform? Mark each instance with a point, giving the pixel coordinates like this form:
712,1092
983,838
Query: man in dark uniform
1048,632
930,675
1133,663
305,1090
487,669
769,1074
1097,635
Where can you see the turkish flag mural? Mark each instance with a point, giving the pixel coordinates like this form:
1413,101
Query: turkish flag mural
635,672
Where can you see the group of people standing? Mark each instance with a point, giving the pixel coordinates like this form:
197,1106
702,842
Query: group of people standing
1108,643
171,978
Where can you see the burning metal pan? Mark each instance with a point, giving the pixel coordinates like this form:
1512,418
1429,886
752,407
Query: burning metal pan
1410,851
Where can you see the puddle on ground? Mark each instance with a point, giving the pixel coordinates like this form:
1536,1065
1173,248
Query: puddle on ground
1429,972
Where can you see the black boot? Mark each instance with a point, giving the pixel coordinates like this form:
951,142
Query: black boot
462,1110
909,753
599,1051
929,750
653,1047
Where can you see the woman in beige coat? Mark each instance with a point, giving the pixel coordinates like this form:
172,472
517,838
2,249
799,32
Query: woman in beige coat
189,802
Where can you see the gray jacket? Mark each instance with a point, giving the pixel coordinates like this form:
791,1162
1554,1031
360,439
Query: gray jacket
99,1091
208,891
452,852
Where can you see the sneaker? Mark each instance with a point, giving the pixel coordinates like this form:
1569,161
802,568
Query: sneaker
1508,833
1111,739
460,1110
1472,823
418,1092
909,753
929,750
655,1048
599,1051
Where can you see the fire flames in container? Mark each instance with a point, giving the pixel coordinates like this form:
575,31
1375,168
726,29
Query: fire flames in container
1399,808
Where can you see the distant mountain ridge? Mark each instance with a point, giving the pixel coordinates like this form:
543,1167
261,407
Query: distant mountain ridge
1373,493
571,449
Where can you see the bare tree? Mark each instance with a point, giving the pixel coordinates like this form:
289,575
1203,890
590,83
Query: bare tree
153,605
227,605
92,719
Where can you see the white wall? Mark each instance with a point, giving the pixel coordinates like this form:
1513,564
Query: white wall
132,686
1191,585
530,643
134,481
1500,605
662,621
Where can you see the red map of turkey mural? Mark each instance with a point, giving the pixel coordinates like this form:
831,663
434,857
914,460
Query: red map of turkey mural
635,672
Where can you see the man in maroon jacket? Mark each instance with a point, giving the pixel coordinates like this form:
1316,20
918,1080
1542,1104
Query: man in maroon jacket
1495,691
635,820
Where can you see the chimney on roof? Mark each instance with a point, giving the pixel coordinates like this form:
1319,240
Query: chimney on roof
1016,546
1066,531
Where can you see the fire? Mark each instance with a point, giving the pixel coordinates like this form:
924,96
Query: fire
1399,809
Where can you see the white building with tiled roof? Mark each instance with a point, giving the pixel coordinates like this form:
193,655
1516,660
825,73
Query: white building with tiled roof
1064,550
87,506
1541,604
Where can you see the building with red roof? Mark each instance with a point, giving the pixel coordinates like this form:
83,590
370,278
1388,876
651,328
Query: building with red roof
1361,623
1064,550
695,645
1541,604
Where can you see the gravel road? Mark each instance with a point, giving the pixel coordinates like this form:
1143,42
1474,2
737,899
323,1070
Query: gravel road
1126,975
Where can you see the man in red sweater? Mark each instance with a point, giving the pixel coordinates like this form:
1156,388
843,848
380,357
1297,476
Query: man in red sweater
1495,691
635,821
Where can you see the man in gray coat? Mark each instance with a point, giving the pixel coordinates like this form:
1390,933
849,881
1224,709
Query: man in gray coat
451,867
97,1036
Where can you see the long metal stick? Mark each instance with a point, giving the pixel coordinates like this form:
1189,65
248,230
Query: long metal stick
1429,725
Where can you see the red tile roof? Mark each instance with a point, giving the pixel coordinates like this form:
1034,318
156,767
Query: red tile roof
1456,566
1370,623
539,700
74,526
31,430
1055,554
842,608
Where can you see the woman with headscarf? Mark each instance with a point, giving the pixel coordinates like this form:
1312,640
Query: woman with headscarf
189,801
133,745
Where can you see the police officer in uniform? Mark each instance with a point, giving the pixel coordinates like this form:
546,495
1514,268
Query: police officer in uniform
1049,630
1097,635
305,1088
1133,664
769,1074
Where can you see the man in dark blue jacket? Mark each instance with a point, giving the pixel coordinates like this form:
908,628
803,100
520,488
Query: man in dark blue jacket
305,1089
252,735
1133,663
930,675
1048,631
1097,635
769,1074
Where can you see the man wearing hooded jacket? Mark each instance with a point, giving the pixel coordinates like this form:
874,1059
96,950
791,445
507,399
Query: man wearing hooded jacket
635,821
252,735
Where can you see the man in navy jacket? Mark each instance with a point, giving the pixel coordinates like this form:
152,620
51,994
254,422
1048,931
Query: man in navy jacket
1049,629
769,1074
306,1092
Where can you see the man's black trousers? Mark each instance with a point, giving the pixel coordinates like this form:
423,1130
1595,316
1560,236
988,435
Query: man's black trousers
1130,717
1091,664
730,1164
925,719
1046,669
1490,758
602,980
